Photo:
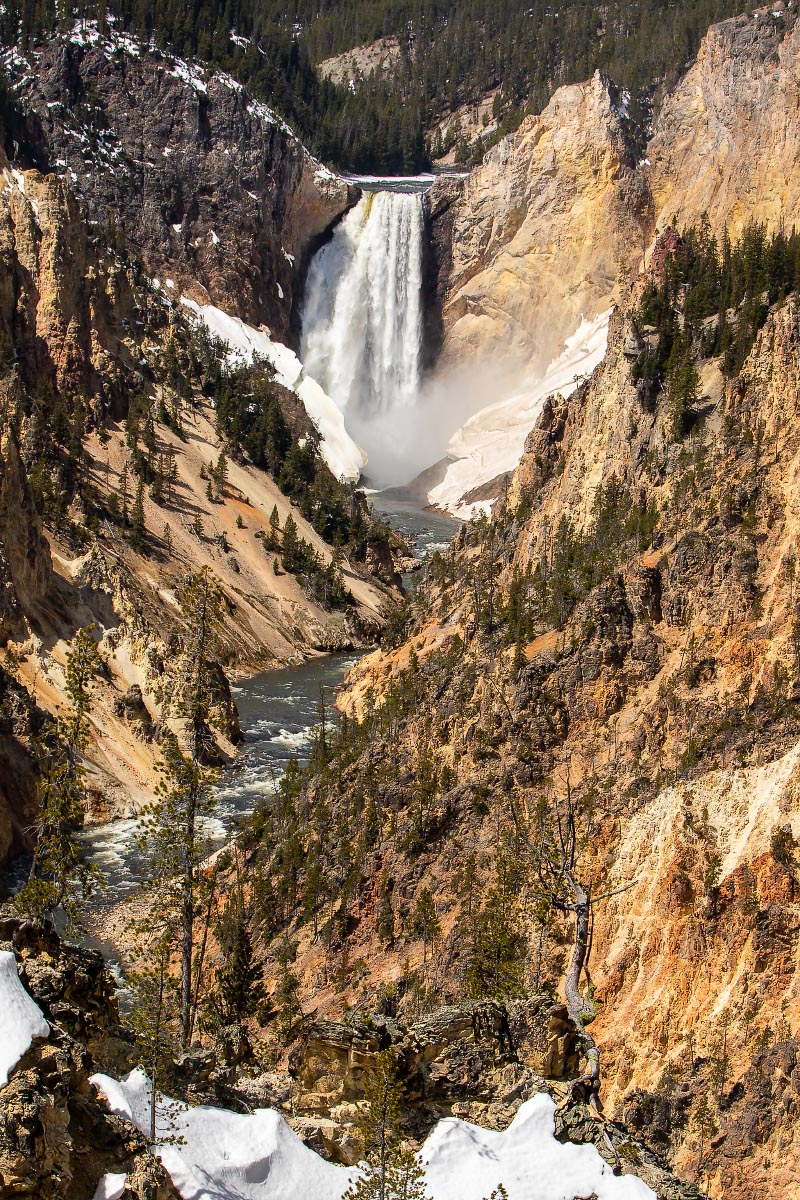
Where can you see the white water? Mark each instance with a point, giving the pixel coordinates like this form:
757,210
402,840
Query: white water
362,321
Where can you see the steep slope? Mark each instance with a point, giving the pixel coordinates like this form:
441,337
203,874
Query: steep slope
119,406
208,186
537,236
619,643
546,232
726,140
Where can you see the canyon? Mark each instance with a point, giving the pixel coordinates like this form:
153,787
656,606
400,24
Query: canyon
152,206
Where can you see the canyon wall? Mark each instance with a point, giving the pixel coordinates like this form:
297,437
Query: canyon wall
540,233
210,189
557,219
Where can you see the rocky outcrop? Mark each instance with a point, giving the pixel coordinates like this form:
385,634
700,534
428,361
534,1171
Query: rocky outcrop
727,140
210,189
26,574
561,212
57,1140
666,699
479,1062
539,234
20,719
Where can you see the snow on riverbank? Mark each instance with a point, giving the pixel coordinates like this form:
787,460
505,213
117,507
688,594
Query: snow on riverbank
345,459
21,1018
220,1155
492,441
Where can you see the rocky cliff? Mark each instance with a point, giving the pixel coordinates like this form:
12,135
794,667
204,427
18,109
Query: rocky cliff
208,187
539,234
660,702
122,136
726,140
57,1140
552,224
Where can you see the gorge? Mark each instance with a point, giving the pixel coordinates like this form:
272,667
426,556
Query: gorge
506,796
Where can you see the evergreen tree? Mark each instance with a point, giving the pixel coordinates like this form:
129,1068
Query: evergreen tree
238,987
155,1009
60,878
287,991
425,924
390,1171
289,558
138,530
171,827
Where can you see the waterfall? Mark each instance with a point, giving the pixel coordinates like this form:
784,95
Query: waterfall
362,319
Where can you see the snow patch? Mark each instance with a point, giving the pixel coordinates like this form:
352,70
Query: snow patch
21,1019
189,74
222,1155
345,459
110,1187
492,441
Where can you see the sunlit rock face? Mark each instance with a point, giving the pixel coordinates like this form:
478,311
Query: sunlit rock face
727,140
537,236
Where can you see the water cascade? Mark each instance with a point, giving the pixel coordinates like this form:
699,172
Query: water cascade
362,323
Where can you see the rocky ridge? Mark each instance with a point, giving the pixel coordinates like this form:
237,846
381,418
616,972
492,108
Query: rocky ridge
211,189
538,235
57,1140
83,329
559,215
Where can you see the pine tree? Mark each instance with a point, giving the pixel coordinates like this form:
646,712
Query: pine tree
425,923
155,1009
60,878
171,827
390,1171
287,991
138,530
123,493
290,545
221,474
238,987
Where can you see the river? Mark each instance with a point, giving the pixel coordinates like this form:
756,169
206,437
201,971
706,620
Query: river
278,711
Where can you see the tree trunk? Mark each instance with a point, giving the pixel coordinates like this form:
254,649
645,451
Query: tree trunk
578,1009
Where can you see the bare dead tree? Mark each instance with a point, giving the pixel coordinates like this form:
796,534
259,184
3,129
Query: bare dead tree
556,859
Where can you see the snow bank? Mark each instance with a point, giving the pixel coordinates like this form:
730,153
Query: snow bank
21,1019
492,441
345,459
464,1162
227,1156
110,1187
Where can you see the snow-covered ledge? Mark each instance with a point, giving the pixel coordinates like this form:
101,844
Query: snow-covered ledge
213,1153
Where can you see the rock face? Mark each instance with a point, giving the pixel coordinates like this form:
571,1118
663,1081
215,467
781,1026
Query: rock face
26,574
727,140
57,1141
210,189
19,720
479,1062
147,167
537,236
668,700
543,231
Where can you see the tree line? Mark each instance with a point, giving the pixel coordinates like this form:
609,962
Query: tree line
451,53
